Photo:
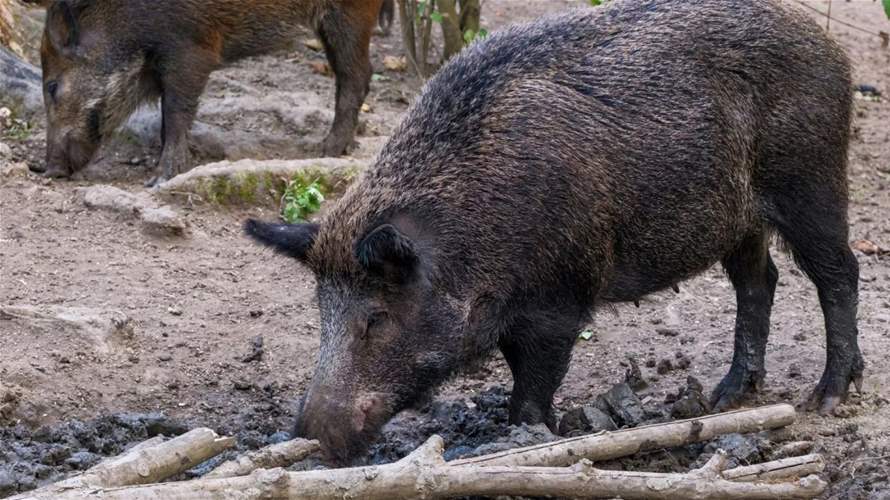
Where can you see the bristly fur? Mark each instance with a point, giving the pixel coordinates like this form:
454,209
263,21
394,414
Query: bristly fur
591,157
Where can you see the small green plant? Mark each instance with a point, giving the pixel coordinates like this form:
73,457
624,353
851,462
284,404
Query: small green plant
470,35
301,200
886,7
13,127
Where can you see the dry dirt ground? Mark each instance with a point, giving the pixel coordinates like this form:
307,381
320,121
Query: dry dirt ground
196,304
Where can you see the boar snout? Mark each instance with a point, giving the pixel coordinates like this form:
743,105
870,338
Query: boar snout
343,425
66,155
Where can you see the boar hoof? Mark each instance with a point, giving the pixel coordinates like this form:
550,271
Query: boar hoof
833,389
734,388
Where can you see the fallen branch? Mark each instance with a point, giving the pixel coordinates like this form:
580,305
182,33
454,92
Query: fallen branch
275,455
621,443
424,474
148,462
778,469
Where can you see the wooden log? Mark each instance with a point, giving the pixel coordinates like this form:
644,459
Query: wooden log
624,442
274,455
778,469
424,474
149,462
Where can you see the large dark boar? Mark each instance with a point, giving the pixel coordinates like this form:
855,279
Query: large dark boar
102,58
587,158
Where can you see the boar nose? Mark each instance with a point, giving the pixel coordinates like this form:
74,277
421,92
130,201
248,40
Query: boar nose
338,421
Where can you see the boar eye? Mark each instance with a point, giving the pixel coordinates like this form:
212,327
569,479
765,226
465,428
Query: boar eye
51,88
375,319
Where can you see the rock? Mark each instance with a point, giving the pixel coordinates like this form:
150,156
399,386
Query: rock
163,221
682,362
8,483
111,198
664,366
279,437
253,180
21,87
633,376
242,385
791,449
107,329
584,420
667,332
691,402
157,220
256,350
523,435
743,449
14,169
5,151
623,405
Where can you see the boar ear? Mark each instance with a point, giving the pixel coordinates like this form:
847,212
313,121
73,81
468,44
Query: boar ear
62,25
388,253
293,240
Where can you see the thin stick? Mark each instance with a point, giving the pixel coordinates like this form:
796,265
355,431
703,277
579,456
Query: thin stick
778,469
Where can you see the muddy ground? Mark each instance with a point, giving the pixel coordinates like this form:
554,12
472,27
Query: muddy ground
186,313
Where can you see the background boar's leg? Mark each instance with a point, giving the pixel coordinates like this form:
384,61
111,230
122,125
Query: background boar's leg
538,350
754,276
345,33
182,82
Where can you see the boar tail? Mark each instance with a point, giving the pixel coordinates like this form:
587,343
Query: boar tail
293,240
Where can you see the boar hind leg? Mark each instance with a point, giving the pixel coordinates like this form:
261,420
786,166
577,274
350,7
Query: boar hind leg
181,87
345,33
754,277
816,230
538,353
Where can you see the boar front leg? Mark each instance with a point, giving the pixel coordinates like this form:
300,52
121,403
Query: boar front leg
538,351
182,83
346,33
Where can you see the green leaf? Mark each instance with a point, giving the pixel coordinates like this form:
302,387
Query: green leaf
301,200
596,3
436,16
886,7
469,35
586,335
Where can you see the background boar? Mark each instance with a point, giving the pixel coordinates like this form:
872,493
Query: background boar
587,158
102,58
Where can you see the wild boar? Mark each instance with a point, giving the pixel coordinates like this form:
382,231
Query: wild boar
591,157
102,58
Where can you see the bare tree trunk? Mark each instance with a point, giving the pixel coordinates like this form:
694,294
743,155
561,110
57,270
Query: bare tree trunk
426,23
470,10
452,34
407,15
